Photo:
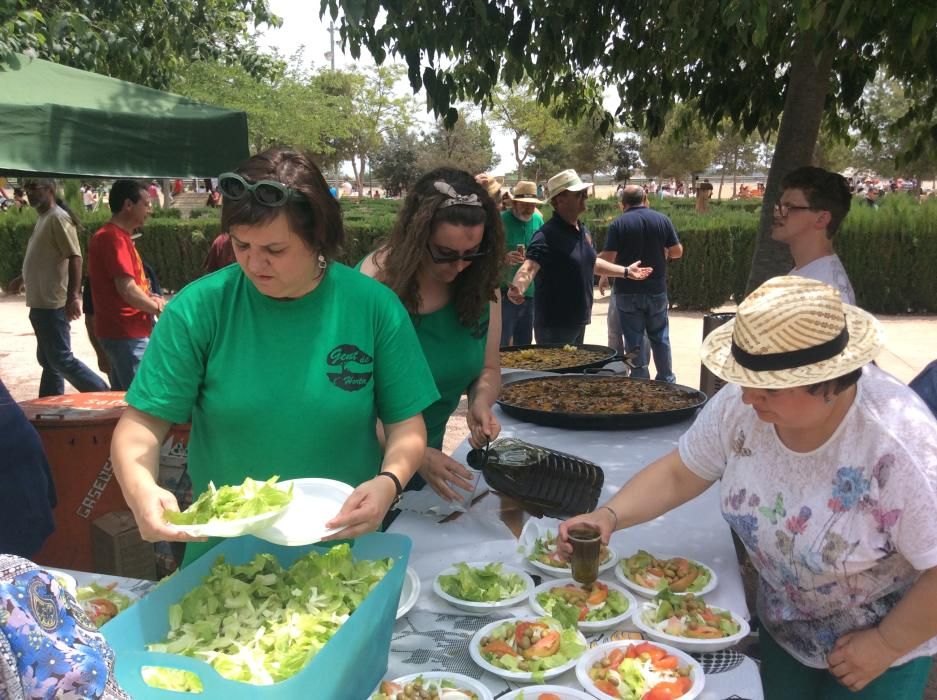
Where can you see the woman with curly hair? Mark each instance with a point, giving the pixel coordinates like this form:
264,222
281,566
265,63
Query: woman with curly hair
443,259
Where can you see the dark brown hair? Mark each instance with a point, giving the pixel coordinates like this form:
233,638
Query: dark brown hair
824,190
317,218
837,385
416,222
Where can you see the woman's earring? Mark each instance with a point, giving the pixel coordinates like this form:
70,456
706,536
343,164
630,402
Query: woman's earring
827,399
322,262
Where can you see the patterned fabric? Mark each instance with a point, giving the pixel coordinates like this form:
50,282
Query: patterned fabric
839,534
48,646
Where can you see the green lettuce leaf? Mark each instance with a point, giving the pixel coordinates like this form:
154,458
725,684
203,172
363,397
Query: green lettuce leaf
233,502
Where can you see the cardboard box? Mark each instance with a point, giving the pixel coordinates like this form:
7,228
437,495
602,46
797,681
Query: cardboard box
118,549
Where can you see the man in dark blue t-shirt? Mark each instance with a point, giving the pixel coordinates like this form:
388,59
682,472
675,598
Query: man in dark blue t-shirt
642,234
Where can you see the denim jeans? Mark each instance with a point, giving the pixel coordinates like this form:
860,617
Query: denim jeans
517,321
560,335
54,352
647,313
124,355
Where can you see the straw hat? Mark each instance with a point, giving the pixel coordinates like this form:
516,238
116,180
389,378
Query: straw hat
566,180
525,191
792,331
491,183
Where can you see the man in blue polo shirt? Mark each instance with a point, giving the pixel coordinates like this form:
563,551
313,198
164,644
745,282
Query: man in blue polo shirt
562,253
647,235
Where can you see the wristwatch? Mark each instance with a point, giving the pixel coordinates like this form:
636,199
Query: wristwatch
397,485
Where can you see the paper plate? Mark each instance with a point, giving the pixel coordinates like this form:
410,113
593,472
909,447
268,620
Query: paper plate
650,592
243,526
687,643
595,626
477,607
315,502
409,593
530,693
460,681
523,676
598,653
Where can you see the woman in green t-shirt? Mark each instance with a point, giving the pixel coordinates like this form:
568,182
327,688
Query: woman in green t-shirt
443,260
283,362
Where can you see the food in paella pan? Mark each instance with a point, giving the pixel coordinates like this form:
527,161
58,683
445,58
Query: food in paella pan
550,358
597,395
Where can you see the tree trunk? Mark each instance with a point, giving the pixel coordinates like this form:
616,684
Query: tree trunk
722,179
807,88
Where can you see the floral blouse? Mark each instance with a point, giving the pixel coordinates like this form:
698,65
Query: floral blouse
839,534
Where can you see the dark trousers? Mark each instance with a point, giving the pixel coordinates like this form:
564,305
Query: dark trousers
517,321
562,335
54,352
647,313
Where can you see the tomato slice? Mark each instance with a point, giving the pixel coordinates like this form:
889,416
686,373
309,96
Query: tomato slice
607,688
654,653
666,663
615,657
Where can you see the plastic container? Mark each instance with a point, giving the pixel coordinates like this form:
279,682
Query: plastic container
347,668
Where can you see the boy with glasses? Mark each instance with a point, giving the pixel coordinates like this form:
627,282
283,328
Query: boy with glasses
812,206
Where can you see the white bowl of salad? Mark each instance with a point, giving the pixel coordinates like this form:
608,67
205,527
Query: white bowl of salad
542,553
687,623
627,669
593,609
232,511
546,692
648,575
434,685
483,586
527,649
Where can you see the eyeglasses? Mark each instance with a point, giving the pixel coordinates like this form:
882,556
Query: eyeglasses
270,193
785,209
468,257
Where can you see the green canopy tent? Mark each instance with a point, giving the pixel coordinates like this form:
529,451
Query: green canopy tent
62,122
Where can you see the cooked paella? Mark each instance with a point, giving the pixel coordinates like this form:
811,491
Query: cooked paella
597,395
550,358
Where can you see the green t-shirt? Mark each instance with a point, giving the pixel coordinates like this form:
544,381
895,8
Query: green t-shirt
517,232
292,388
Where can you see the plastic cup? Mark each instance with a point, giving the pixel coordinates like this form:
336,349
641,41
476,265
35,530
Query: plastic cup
587,544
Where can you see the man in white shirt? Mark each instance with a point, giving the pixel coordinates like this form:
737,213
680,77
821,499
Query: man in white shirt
812,206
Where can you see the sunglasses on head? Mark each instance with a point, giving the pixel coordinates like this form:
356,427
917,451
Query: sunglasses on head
270,193
440,259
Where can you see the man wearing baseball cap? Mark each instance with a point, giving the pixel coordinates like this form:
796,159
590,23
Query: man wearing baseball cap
521,220
562,253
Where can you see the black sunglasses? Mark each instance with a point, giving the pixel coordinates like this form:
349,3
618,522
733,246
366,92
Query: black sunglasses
270,193
468,257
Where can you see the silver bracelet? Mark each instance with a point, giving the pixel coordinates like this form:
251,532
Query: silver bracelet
614,515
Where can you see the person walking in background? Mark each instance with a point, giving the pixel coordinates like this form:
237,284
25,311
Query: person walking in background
520,221
52,275
646,235
123,302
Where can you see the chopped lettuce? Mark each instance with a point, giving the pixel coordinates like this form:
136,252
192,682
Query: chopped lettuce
260,623
102,603
172,679
233,502
486,585
521,661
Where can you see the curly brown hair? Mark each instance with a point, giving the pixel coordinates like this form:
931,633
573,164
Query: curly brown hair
418,218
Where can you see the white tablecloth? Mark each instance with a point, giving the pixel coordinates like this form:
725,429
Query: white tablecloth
435,636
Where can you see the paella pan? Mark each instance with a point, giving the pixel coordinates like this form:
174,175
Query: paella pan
598,402
556,358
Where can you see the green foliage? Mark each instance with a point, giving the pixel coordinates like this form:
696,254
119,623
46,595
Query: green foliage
466,145
394,164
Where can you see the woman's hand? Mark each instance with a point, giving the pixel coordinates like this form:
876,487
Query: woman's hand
634,271
601,520
364,509
858,658
148,508
443,473
482,424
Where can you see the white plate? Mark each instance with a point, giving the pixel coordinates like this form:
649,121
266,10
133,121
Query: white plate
315,502
473,606
476,654
650,592
409,593
594,626
530,693
66,581
598,653
461,681
685,643
242,526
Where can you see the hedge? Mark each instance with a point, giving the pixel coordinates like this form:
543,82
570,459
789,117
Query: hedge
889,253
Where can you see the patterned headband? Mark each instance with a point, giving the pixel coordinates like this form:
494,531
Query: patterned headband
453,197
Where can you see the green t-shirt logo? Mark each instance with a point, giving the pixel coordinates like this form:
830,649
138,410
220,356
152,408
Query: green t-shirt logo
343,356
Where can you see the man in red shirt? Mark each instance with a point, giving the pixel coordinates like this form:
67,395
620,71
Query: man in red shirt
124,308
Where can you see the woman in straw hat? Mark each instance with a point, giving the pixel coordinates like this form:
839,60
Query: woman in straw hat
443,259
828,474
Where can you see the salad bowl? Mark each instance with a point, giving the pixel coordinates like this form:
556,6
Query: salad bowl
596,611
480,587
546,692
643,567
496,648
668,617
455,686
637,676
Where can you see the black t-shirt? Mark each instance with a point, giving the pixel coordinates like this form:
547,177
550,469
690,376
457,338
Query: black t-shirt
563,295
642,234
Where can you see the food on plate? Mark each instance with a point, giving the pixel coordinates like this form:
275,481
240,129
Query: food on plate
604,395
545,552
233,502
489,584
679,574
423,689
688,616
531,646
551,358
641,672
102,603
171,679
537,696
259,623
574,603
